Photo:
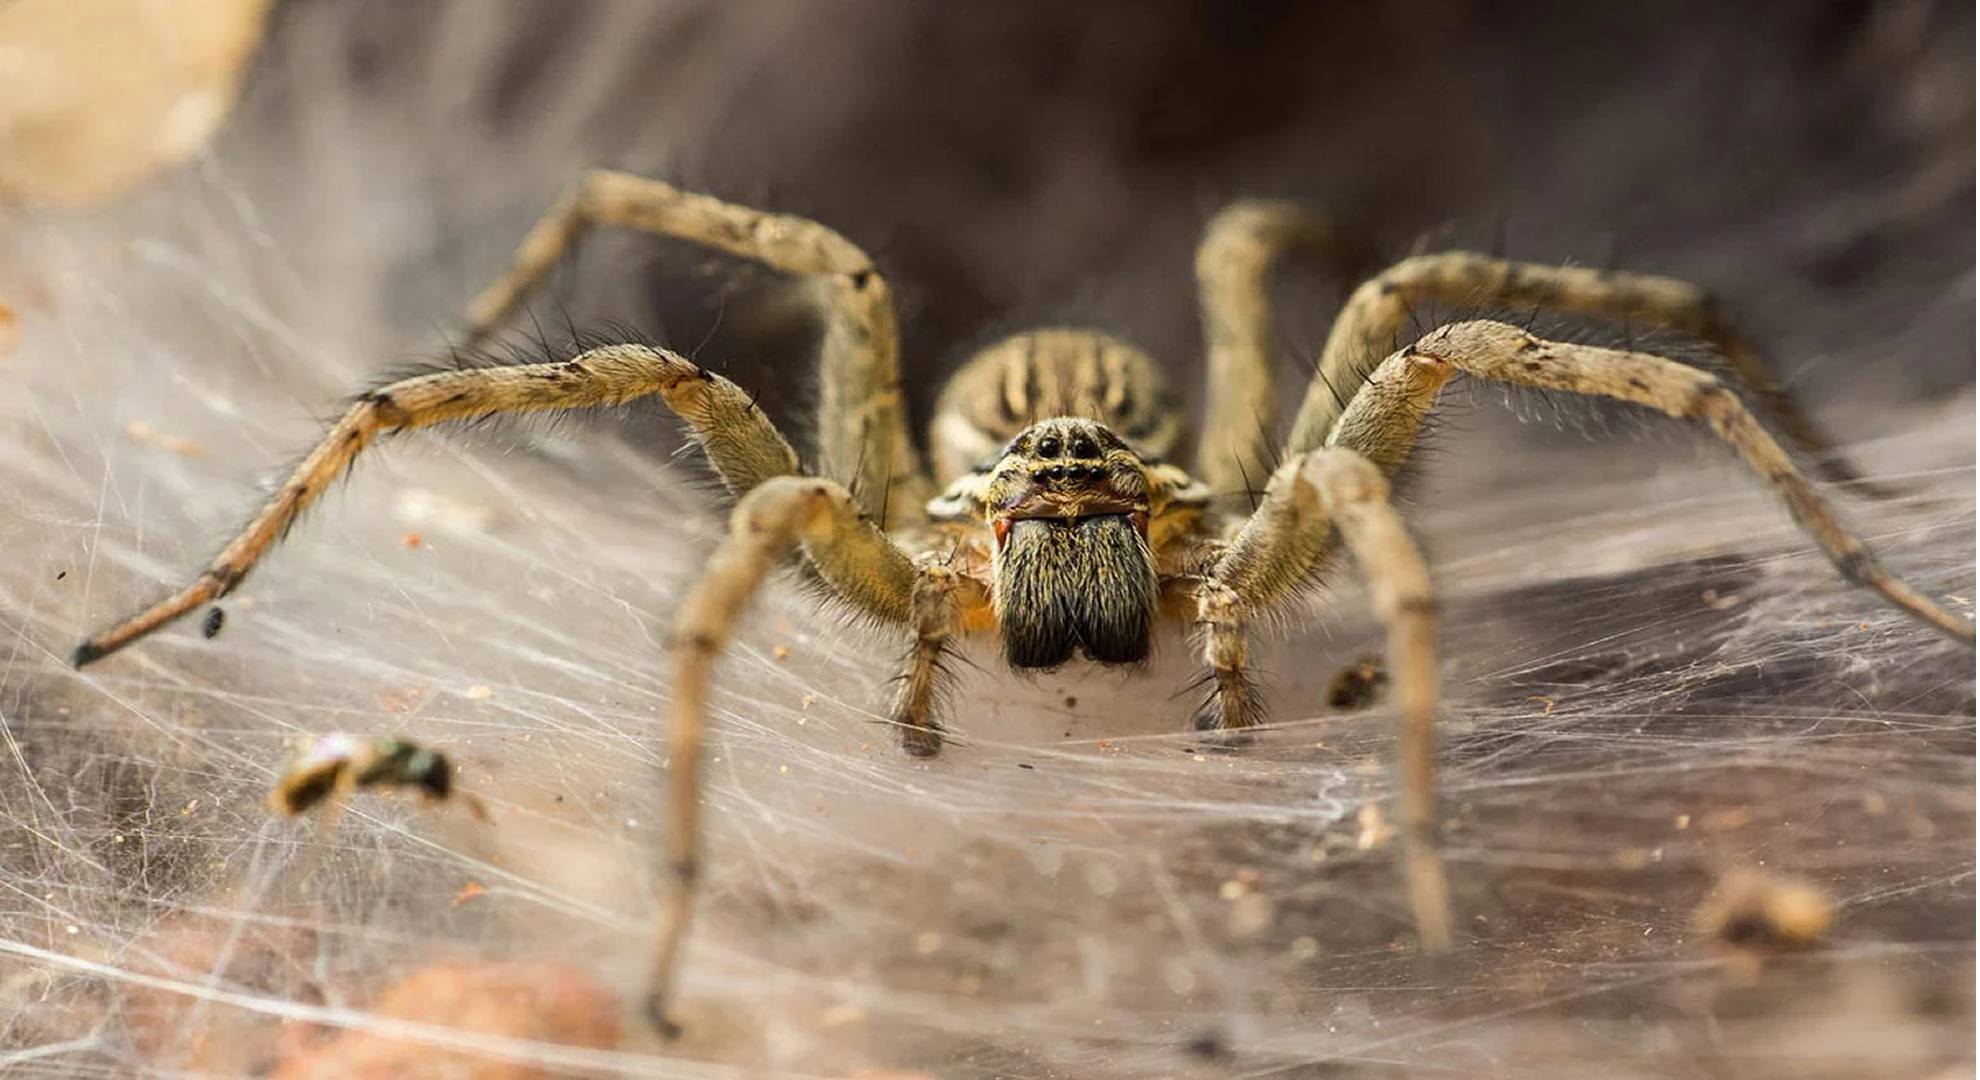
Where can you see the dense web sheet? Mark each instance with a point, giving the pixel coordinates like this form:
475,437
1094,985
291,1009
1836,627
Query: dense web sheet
1653,680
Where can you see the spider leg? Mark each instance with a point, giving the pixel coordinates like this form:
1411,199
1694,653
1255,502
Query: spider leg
939,595
1233,266
1313,504
1369,323
1234,702
862,418
1493,350
769,521
740,442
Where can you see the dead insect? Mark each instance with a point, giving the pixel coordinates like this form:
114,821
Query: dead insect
1752,916
216,617
337,765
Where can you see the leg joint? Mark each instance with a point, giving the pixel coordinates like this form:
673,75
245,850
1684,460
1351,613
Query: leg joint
700,642
1711,401
1421,605
224,578
1216,606
385,407
1856,566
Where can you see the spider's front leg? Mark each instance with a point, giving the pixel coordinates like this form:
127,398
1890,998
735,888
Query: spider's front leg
853,556
740,441
1312,503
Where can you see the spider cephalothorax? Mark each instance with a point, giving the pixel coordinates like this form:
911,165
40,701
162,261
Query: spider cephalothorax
1068,505
1065,468
1061,526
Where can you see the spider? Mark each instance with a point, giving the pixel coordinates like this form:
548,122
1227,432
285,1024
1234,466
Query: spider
1051,515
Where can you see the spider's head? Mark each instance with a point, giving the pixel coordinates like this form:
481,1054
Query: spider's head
1062,469
1068,504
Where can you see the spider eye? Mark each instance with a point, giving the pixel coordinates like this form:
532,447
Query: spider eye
1048,447
1084,447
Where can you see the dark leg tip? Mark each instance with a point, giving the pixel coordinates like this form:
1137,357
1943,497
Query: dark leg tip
1218,739
656,1014
1433,968
85,653
921,742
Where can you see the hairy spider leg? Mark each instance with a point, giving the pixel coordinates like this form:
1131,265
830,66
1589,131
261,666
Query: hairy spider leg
862,416
766,524
1496,351
739,439
1367,328
1241,245
1316,503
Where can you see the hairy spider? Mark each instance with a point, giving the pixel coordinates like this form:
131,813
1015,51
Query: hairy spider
1059,525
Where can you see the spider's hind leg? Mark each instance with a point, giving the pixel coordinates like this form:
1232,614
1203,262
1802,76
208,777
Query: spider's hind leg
862,417
1234,263
1371,321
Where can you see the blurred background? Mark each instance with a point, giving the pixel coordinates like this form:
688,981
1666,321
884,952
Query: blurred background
1018,163
1119,907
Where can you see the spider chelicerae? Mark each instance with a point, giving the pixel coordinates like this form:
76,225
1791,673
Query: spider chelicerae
1051,515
